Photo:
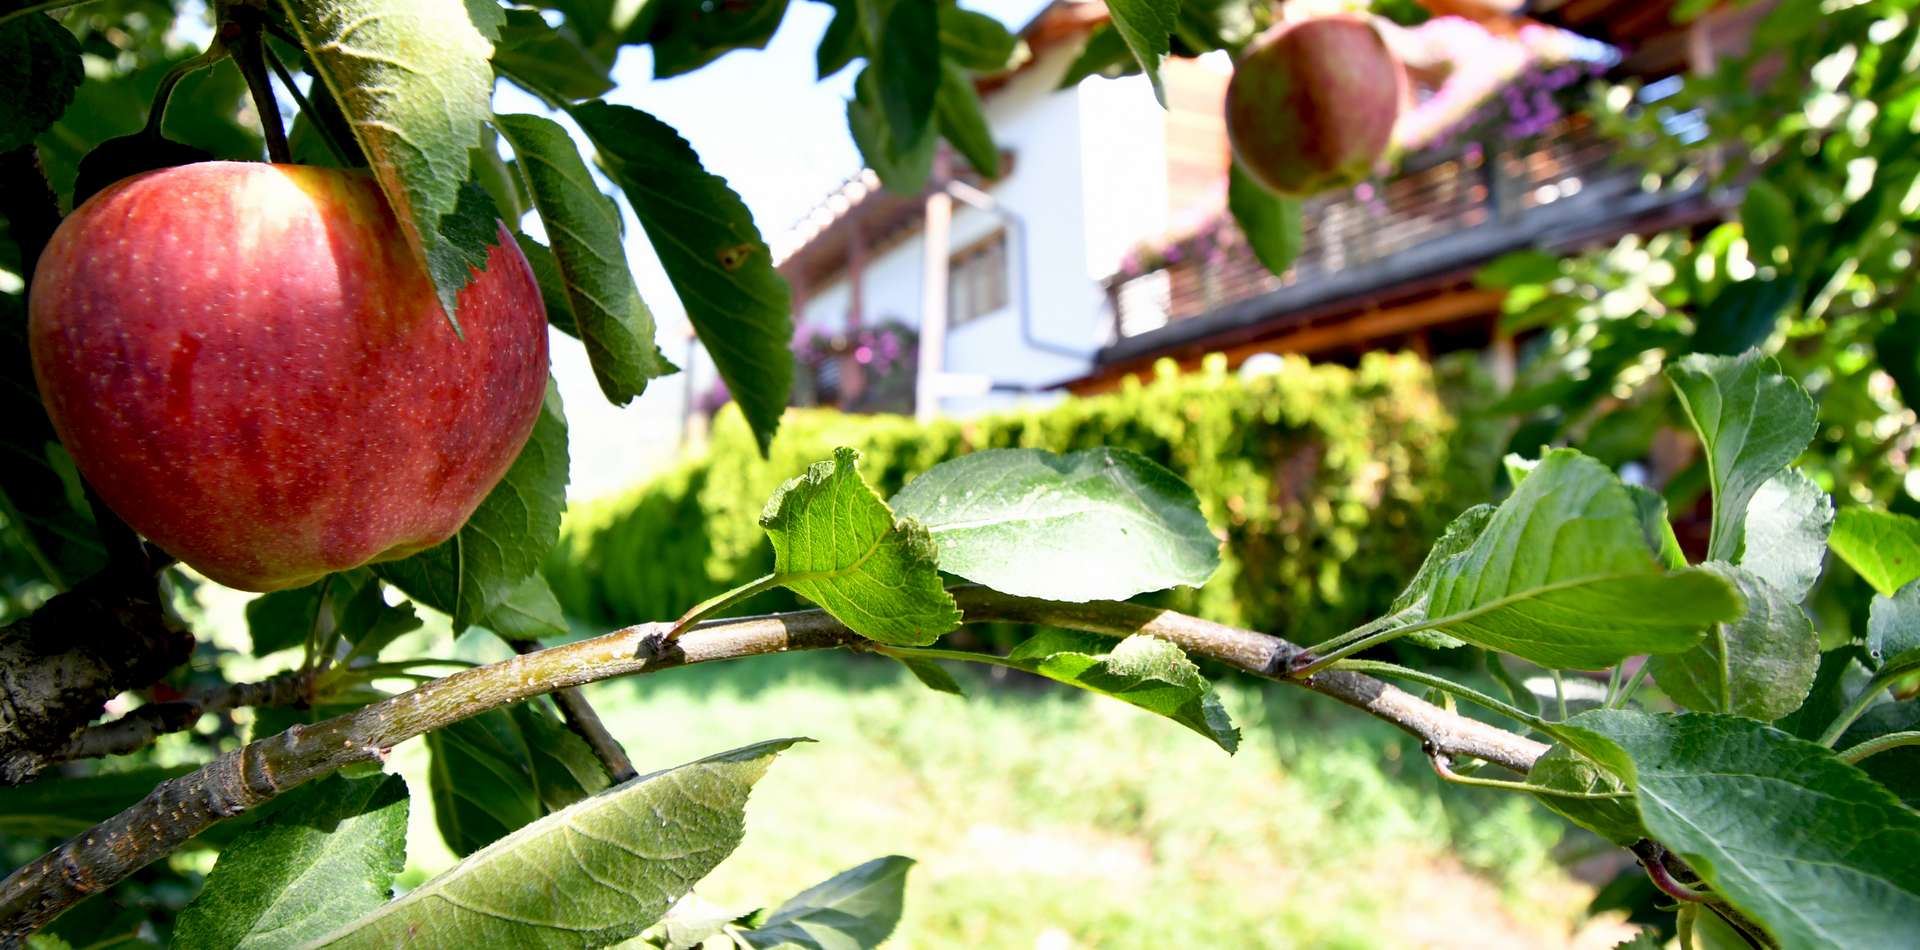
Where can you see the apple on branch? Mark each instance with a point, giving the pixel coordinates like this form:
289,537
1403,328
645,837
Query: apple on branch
251,367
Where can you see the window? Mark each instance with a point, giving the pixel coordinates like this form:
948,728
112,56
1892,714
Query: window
977,280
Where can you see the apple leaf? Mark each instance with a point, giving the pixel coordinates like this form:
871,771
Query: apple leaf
1787,525
479,575
621,858
903,43
1898,768
1810,847
722,270
1880,546
931,674
976,41
841,43
1147,26
858,907
1141,670
1615,819
553,286
324,859
1460,534
496,772
902,164
1101,524
552,57
40,494
1760,666
1561,575
413,79
584,225
688,34
39,72
65,806
837,544
1893,632
1752,421
957,111
1272,223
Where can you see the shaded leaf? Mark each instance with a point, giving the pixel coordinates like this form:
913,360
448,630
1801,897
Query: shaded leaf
1752,421
1893,632
722,270
1787,525
1760,666
931,675
903,42
1617,820
553,58
40,494
1742,315
1100,524
1142,670
1840,679
1147,26
1810,847
963,124
1561,576
841,43
497,771
323,860
553,286
584,225
902,164
688,34
837,544
39,73
1767,222
413,79
621,858
975,41
478,572
1270,222
1880,546
854,910
1898,768
1105,54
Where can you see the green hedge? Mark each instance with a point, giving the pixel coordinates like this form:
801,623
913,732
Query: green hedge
1327,482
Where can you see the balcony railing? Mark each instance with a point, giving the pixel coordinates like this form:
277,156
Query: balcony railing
1499,192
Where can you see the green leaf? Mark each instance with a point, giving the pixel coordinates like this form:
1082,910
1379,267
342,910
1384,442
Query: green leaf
706,240
1703,928
284,618
1147,26
500,179
841,43
1617,820
413,79
1752,421
902,164
1142,670
688,34
1742,315
975,41
553,286
325,859
529,611
40,494
1840,680
903,40
1460,534
963,124
1760,666
931,674
1899,768
59,807
1893,632
1787,525
475,576
1880,546
837,544
367,621
621,858
1105,54
1657,529
555,59
39,72
498,771
853,910
1270,222
1561,576
1768,223
1810,847
584,225
1100,524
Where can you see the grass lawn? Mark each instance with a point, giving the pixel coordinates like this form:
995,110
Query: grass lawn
1046,818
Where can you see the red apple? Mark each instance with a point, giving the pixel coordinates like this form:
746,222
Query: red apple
251,367
1312,104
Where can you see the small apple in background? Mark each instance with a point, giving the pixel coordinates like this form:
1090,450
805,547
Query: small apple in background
1312,104
249,365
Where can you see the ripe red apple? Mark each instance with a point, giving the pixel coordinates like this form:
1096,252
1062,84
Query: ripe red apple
1312,104
250,366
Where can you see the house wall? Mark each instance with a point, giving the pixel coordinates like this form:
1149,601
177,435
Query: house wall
1089,183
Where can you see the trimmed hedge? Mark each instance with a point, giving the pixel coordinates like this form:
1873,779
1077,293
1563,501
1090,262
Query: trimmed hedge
1328,484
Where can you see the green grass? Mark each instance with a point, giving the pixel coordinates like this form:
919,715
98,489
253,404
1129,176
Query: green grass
1042,817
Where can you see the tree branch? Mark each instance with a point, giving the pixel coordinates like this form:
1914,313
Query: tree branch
140,727
182,807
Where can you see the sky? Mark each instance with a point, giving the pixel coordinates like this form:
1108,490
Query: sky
759,119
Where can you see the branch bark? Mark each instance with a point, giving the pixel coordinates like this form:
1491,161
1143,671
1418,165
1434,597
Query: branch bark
140,727
182,807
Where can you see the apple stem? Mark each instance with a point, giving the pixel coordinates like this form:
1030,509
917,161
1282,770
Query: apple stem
242,36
